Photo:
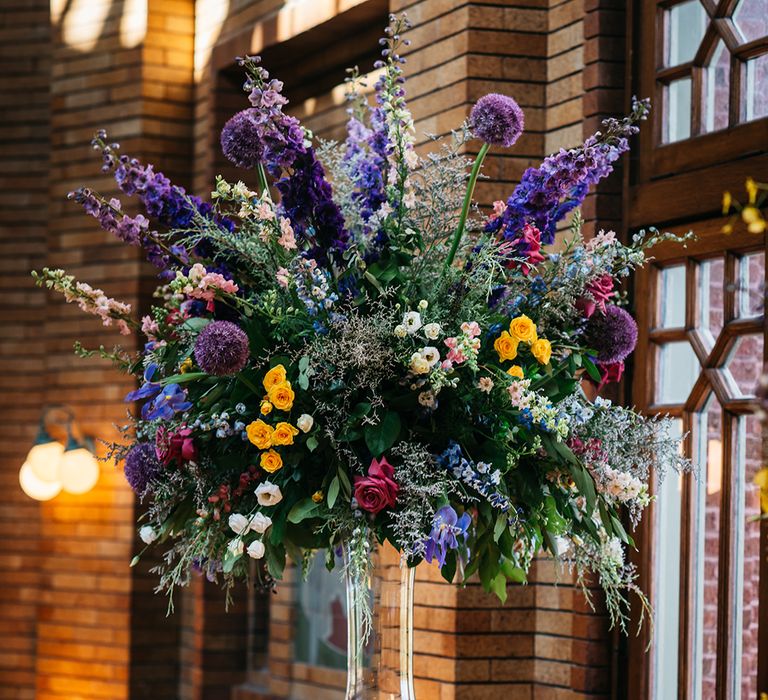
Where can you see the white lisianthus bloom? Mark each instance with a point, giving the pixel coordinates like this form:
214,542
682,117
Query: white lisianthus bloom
236,547
412,321
432,331
418,364
431,355
260,522
147,534
268,494
256,549
238,523
305,422
423,304
400,331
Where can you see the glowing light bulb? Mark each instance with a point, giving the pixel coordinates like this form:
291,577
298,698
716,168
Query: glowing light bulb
35,487
78,469
43,458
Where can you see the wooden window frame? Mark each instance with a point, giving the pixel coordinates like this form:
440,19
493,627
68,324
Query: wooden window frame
710,243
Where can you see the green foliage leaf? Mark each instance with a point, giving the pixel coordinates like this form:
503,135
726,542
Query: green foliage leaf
592,370
380,437
499,586
183,378
306,508
195,325
556,524
333,492
311,443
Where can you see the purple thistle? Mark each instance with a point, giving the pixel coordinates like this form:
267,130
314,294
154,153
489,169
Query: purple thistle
241,140
613,334
222,348
497,120
141,466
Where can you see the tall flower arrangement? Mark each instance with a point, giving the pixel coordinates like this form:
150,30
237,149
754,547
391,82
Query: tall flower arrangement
343,349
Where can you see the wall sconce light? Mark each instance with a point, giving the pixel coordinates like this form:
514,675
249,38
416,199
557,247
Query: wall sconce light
50,467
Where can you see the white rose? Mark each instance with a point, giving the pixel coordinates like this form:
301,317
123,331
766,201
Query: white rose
418,364
268,494
260,522
147,534
423,304
400,331
238,523
256,549
305,422
412,321
432,331
236,547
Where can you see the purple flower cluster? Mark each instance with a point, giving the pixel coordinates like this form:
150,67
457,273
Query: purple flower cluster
613,334
222,348
131,230
477,476
497,120
547,193
141,466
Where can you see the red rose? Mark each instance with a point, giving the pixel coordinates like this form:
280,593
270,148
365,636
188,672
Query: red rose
611,372
175,447
378,490
599,290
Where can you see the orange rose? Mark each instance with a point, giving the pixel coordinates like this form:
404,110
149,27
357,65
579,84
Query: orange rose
283,434
260,434
271,461
282,396
506,346
274,377
523,329
516,371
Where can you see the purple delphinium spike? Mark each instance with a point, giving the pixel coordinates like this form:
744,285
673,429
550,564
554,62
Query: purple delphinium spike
447,528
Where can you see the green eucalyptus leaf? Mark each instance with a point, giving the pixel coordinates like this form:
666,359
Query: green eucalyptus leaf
333,492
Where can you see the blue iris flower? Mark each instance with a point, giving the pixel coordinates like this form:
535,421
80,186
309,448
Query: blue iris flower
447,528
163,402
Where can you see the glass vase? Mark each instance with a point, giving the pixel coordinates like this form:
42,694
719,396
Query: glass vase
380,647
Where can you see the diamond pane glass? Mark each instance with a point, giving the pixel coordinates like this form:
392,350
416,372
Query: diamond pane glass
745,363
672,297
751,18
755,93
667,585
677,110
717,88
708,488
747,440
711,295
678,371
685,23
752,285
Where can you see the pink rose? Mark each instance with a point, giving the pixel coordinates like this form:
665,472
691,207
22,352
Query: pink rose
175,446
378,490
599,290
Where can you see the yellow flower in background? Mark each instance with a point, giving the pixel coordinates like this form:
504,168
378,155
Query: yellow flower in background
281,396
761,481
542,350
271,461
283,434
274,377
260,434
266,408
751,186
516,371
727,202
506,346
753,218
523,329
318,496
186,366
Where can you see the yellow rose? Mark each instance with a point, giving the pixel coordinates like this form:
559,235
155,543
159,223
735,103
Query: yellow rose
271,461
274,377
260,434
266,408
283,434
523,329
282,396
516,371
506,346
542,350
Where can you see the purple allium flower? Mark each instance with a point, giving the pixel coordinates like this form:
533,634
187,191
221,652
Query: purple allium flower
241,139
222,348
447,527
497,120
141,466
613,334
